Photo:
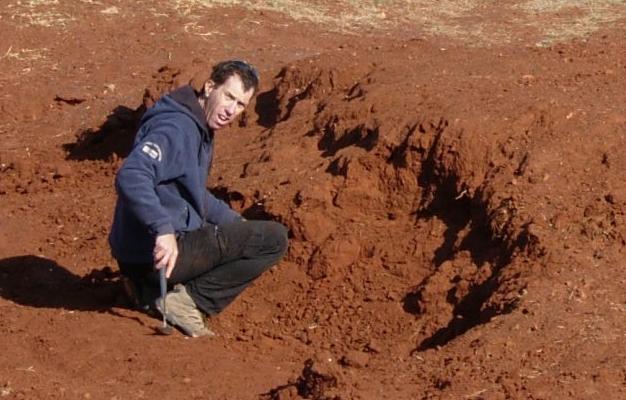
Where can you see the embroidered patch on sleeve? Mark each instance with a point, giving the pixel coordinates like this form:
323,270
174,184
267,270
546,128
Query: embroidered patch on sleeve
152,150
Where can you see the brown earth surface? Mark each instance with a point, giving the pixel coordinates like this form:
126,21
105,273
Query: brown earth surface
452,175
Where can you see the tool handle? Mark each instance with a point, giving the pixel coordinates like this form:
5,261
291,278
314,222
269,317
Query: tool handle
163,282
163,285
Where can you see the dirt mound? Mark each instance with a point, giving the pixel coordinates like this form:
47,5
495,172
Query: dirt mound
377,185
416,219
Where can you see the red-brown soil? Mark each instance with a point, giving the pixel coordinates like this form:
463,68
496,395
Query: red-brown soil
456,211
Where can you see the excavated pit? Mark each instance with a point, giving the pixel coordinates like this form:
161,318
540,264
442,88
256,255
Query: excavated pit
413,220
414,226
394,235
383,216
405,244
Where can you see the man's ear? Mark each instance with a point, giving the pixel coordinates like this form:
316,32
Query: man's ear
209,85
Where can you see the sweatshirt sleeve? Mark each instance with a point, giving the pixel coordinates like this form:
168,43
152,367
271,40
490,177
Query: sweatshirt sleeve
153,159
219,212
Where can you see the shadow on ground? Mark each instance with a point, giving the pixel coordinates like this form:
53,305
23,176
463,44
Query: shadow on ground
114,136
39,282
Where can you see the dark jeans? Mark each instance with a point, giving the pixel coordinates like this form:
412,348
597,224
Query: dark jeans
217,262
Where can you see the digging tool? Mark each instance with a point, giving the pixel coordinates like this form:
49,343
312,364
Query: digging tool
164,329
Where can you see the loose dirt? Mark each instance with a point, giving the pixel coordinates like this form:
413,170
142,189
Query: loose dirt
451,174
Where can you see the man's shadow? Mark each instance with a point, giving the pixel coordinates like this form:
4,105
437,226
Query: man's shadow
40,282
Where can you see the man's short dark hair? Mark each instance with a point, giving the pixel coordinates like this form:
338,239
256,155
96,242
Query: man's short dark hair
225,69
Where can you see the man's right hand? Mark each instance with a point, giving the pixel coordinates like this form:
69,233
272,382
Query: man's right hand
165,253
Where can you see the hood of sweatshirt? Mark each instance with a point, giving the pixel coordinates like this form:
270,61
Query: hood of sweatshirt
182,99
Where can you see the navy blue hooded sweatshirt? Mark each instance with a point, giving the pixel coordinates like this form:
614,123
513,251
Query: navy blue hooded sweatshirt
162,184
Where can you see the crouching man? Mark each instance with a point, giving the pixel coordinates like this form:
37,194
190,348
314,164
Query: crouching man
166,218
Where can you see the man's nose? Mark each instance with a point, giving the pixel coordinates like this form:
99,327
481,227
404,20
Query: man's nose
230,109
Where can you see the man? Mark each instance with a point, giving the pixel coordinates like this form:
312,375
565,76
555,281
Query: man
166,218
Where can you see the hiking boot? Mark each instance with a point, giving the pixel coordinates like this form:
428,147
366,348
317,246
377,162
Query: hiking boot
183,313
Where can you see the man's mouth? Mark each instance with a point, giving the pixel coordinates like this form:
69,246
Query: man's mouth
222,119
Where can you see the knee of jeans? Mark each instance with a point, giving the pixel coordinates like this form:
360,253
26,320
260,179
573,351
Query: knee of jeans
279,234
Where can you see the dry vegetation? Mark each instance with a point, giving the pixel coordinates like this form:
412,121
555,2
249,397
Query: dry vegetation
467,20
38,13
552,20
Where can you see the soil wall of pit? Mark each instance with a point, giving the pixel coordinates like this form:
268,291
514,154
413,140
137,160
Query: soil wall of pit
418,216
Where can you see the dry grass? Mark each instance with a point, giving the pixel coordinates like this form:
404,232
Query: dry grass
468,20
38,13
24,54
24,60
195,28
475,22
571,18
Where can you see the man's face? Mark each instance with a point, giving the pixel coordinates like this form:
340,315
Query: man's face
225,102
